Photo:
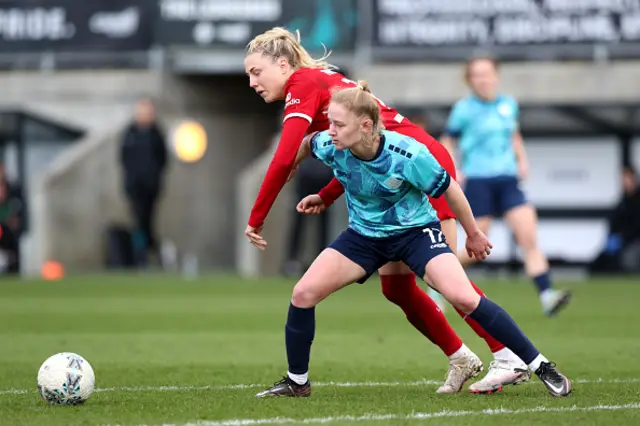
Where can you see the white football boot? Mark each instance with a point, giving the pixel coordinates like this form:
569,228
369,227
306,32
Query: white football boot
461,368
553,301
505,369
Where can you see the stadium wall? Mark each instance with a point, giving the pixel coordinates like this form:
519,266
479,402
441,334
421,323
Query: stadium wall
531,82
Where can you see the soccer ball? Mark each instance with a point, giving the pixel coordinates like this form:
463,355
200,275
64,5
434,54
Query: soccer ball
66,379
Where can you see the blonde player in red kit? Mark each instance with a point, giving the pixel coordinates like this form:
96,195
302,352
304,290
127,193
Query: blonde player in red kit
279,68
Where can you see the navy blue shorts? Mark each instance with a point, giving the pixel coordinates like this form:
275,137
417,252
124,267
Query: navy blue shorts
493,196
415,247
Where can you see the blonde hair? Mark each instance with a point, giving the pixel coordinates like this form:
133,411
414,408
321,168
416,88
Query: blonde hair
361,102
279,42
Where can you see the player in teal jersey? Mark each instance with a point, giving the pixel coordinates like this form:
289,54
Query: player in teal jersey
493,161
387,179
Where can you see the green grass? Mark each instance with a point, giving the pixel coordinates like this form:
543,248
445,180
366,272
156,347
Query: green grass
149,331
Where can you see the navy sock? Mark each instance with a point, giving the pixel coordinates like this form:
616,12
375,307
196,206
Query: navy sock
543,282
497,322
299,333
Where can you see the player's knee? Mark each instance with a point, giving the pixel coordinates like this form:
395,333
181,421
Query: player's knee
391,292
527,239
304,296
467,302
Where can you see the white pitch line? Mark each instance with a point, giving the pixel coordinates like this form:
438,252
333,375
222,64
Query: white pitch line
240,386
412,416
315,384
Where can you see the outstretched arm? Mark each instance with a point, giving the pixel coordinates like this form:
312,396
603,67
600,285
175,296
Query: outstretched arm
460,206
477,245
281,165
426,174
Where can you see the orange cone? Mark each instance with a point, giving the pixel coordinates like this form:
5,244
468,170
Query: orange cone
52,270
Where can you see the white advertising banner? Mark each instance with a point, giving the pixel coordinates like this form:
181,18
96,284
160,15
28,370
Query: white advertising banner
573,174
572,240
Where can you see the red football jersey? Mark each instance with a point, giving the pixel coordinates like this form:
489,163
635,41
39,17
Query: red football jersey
308,92
307,96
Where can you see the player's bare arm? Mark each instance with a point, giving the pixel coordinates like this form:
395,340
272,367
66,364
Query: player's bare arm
478,245
521,155
305,149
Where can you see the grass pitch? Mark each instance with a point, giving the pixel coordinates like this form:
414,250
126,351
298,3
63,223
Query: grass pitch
166,351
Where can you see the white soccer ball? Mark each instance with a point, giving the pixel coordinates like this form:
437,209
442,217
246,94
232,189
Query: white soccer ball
66,379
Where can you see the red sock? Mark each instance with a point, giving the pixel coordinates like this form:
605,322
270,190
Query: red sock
421,311
494,345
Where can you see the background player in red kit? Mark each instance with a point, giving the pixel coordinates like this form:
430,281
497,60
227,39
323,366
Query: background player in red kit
279,68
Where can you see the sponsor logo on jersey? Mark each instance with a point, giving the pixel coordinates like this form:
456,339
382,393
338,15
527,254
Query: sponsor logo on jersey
394,183
289,102
504,109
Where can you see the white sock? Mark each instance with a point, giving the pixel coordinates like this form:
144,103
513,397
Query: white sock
506,354
300,379
535,364
463,351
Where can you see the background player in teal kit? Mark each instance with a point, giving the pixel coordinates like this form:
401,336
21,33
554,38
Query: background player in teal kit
387,179
492,162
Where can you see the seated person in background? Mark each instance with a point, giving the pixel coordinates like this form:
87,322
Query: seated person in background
622,248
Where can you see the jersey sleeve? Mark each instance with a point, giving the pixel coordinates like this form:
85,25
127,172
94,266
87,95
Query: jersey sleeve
456,121
303,99
426,174
331,192
323,148
279,169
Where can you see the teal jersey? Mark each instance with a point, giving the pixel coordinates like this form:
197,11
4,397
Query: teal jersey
485,136
386,195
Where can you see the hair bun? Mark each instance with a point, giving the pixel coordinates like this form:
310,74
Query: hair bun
362,84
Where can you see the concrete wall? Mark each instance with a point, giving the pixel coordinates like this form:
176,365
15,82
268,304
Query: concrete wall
80,193
94,100
535,82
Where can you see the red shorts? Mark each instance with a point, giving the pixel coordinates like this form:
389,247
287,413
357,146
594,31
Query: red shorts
442,156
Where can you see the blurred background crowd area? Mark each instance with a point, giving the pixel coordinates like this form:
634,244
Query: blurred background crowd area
130,138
